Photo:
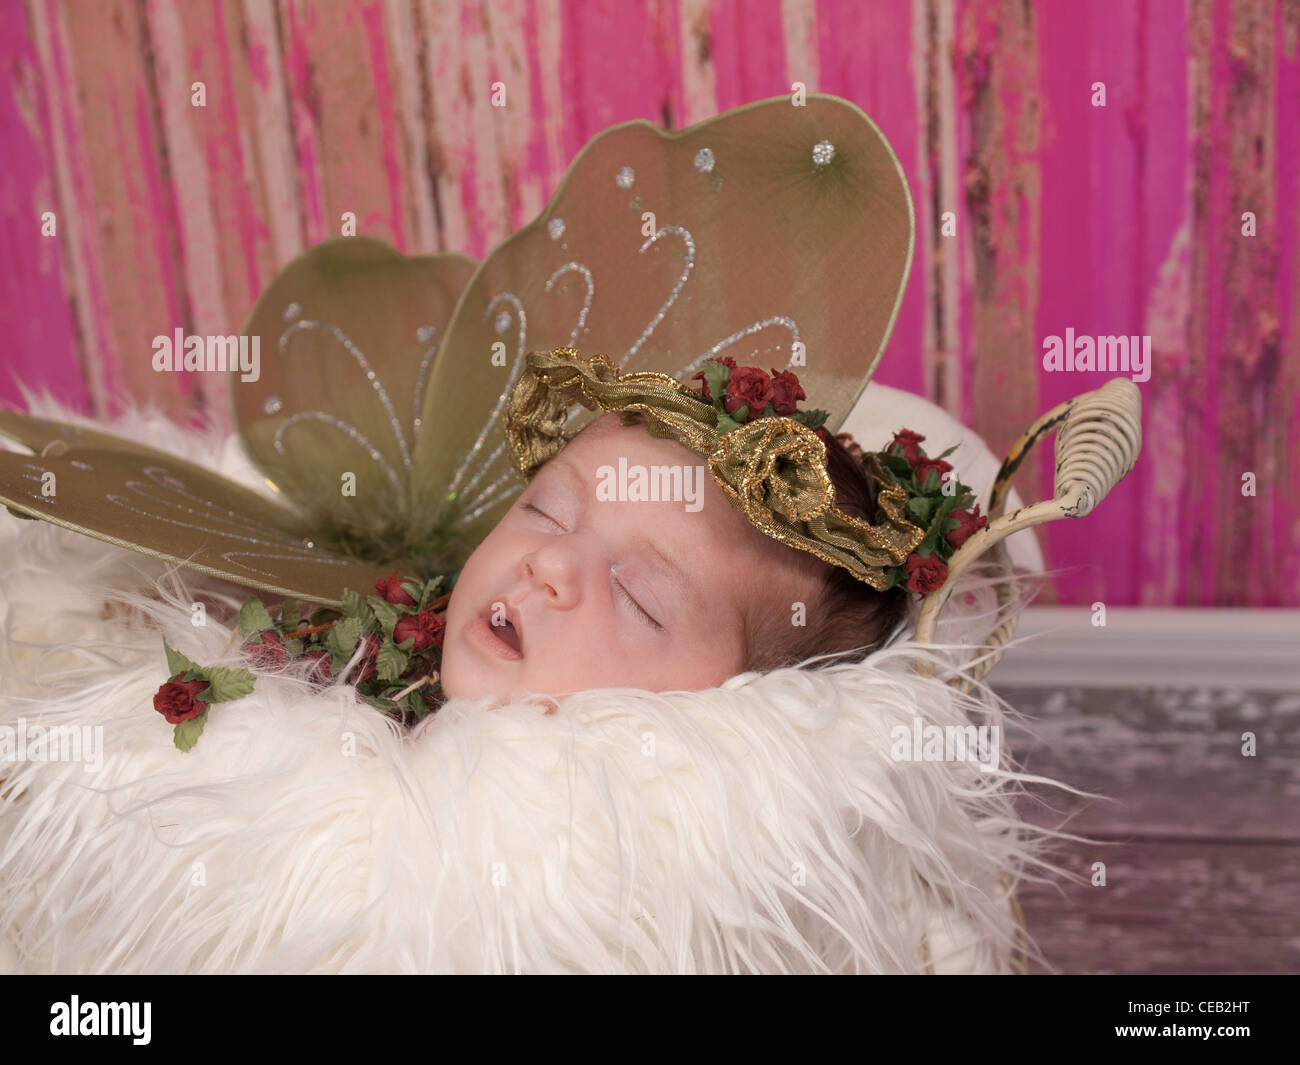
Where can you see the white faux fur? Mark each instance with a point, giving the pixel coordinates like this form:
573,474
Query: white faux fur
757,827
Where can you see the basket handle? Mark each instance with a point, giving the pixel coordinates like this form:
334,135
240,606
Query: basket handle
1099,437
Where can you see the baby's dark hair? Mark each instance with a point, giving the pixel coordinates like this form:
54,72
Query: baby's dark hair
845,615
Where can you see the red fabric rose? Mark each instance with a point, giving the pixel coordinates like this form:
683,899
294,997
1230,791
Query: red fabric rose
726,361
786,391
924,466
749,387
908,441
971,523
926,575
324,662
268,652
390,588
426,626
177,699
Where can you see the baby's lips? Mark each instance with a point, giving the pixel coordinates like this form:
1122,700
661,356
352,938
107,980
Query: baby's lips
511,615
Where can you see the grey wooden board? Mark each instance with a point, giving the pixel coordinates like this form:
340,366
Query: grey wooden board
1201,844
1171,907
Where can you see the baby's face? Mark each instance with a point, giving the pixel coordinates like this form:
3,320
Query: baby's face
612,593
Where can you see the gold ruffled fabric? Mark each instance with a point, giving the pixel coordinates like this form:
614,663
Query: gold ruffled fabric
773,469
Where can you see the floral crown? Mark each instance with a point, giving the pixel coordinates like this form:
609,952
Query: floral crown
938,504
768,457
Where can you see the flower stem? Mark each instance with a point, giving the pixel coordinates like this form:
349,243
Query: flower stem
308,632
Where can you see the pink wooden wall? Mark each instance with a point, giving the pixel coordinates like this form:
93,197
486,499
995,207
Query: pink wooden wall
1123,219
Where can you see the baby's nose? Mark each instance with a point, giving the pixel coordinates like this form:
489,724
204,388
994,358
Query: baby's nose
555,571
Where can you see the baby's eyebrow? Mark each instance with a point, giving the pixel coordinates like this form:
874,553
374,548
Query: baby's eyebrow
571,471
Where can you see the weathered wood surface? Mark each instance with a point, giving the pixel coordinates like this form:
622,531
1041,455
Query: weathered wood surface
1123,219
1201,844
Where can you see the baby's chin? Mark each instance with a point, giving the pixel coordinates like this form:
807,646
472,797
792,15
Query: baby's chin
470,678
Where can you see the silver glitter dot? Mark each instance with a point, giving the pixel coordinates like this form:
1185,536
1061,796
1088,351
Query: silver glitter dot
309,543
292,311
424,334
555,227
502,322
704,160
625,177
823,152
272,405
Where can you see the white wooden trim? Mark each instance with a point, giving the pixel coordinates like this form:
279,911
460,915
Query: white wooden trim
1164,648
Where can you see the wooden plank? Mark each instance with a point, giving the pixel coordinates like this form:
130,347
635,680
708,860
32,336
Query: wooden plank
36,318
470,192
264,100
866,53
1168,763
345,97
194,145
997,63
1172,907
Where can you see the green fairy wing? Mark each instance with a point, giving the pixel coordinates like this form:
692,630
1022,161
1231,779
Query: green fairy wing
780,236
349,334
132,496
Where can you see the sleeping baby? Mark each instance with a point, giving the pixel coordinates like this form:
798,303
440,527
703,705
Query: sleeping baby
572,592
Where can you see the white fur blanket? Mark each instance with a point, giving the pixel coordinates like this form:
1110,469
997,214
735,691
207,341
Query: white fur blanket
758,827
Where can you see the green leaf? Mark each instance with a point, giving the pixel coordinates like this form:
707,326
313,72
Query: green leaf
187,733
921,509
341,640
293,647
727,422
386,613
893,576
290,615
946,506
392,661
716,375
353,605
254,618
931,484
948,452
178,663
228,684
896,465
432,589
814,419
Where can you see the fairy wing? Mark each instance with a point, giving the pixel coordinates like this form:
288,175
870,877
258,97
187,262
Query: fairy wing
349,333
135,497
780,236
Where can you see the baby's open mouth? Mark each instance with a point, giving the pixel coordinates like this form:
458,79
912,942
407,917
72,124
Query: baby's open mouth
498,636
507,633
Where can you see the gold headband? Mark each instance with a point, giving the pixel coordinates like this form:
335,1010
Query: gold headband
772,469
